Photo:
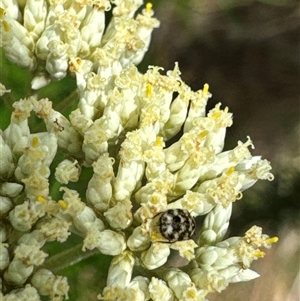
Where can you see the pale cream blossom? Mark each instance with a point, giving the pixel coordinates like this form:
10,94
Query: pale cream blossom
155,256
67,171
48,284
144,191
160,291
27,293
3,90
183,287
4,256
120,270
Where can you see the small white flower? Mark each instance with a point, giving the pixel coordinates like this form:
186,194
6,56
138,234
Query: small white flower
244,275
142,283
183,287
138,240
17,272
10,189
107,241
6,161
27,293
86,220
155,256
5,205
17,43
55,229
67,171
49,284
120,270
119,216
23,216
4,257
3,233
178,281
160,291
99,190
215,225
209,281
3,90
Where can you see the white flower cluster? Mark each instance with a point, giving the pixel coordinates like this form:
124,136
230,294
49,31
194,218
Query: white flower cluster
146,190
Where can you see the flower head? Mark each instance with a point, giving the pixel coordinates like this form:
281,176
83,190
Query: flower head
146,191
53,35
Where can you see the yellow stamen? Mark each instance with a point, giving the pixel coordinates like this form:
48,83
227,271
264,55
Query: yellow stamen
108,295
216,114
154,236
205,89
35,141
6,25
203,134
272,240
2,12
230,171
149,89
259,254
149,7
191,294
159,141
63,204
41,199
154,199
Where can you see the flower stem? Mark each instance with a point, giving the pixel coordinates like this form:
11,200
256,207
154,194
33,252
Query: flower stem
67,258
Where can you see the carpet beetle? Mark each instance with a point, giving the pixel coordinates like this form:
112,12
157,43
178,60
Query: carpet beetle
176,225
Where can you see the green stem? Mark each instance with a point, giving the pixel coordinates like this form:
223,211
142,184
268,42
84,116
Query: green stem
67,258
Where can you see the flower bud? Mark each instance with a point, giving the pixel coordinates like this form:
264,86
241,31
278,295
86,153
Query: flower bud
160,291
99,191
27,293
23,216
120,270
49,284
3,233
4,257
10,190
215,225
111,243
138,240
142,283
17,273
178,281
107,241
6,160
119,217
5,205
85,219
155,256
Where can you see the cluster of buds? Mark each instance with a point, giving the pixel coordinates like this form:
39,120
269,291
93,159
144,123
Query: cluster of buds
146,189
